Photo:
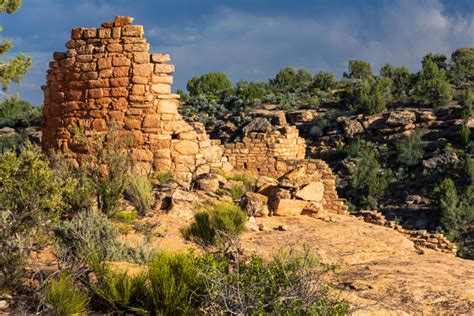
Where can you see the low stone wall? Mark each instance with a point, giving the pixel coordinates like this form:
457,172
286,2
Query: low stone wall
260,151
422,238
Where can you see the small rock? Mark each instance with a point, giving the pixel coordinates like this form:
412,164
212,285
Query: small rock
254,204
251,226
3,304
262,228
282,228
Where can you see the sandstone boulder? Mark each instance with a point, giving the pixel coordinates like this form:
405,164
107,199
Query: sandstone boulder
208,184
259,125
232,184
288,207
264,184
300,116
400,118
255,204
312,192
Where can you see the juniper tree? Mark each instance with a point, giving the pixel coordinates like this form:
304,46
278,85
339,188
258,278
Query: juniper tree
15,68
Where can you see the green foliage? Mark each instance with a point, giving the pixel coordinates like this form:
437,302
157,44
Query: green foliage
289,284
448,202
126,216
107,167
31,197
439,59
368,179
324,80
359,69
212,84
432,87
170,286
91,232
247,178
16,113
237,193
370,97
139,193
249,91
467,103
164,177
465,135
400,77
216,227
290,80
462,66
12,141
411,149
14,69
64,298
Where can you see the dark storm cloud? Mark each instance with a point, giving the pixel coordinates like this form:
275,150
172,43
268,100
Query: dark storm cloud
252,39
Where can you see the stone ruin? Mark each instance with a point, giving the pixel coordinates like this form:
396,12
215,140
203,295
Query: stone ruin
107,77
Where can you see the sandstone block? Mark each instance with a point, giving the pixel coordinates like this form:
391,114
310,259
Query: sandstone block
160,58
89,32
168,106
99,124
119,82
162,79
104,63
114,48
287,207
121,72
104,33
142,154
76,33
312,192
123,20
132,123
151,120
208,184
132,30
185,147
161,88
164,69
142,69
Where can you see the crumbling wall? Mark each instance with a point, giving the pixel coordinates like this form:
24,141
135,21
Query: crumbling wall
108,78
261,151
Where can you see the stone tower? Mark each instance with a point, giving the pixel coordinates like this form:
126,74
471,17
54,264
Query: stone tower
107,77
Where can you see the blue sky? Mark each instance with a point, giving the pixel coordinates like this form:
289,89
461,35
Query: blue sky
251,39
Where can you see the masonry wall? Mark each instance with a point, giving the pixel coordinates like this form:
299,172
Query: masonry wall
107,78
260,152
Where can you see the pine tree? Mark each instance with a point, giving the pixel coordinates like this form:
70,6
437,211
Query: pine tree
15,68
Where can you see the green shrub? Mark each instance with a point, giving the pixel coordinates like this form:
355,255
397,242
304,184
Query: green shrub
64,298
107,166
174,283
465,135
31,198
139,193
90,232
289,284
370,97
164,177
171,285
411,149
15,113
368,179
449,204
126,216
237,193
247,178
216,227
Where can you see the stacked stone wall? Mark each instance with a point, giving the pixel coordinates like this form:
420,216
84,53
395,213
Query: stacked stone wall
421,238
108,78
261,152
